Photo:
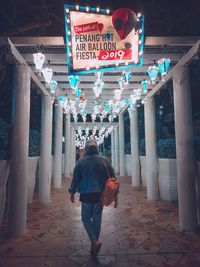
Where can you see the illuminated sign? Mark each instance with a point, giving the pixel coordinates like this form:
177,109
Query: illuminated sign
97,40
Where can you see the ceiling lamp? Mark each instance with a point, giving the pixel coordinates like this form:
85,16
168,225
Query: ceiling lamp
97,91
38,59
163,65
53,86
145,86
74,81
78,93
117,94
98,74
47,73
62,100
153,73
122,83
94,116
127,76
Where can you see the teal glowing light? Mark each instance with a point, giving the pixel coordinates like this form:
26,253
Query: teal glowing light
153,72
74,81
127,76
78,93
145,84
163,65
53,86
62,100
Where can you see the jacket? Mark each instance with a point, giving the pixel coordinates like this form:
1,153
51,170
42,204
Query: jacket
90,174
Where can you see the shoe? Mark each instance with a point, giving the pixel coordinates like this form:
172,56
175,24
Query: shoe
97,249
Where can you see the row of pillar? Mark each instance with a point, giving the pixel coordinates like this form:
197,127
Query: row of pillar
185,159
20,141
49,172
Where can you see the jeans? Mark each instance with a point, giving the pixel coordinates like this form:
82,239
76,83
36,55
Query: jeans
91,216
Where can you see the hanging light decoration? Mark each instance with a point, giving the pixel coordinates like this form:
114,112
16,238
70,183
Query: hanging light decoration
62,100
74,81
163,65
47,73
75,116
98,86
130,111
97,91
127,76
78,93
53,86
98,74
145,86
117,94
153,73
38,59
122,83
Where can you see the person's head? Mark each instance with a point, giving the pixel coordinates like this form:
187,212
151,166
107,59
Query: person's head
91,147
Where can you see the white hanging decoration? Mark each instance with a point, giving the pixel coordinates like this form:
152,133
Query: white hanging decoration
98,74
117,94
97,91
75,116
47,73
38,59
122,83
93,117
87,131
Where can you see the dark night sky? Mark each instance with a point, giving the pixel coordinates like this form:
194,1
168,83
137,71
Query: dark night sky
45,17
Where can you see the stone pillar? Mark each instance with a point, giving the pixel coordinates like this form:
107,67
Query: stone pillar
112,150
67,147
19,153
121,146
151,152
45,169
57,159
116,149
73,149
135,158
184,149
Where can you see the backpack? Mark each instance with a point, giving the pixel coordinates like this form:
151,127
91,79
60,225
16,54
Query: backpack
110,192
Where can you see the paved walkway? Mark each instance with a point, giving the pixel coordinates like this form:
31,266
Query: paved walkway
138,233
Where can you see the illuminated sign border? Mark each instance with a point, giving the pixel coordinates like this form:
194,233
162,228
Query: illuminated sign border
67,9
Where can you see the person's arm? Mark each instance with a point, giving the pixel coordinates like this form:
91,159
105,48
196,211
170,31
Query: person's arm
111,170
75,182
109,167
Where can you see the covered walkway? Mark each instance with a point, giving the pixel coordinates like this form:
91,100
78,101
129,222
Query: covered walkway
139,232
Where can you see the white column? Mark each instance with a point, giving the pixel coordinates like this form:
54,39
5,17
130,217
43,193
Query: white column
67,147
121,146
57,160
72,150
116,149
112,150
19,153
135,159
45,168
184,150
151,152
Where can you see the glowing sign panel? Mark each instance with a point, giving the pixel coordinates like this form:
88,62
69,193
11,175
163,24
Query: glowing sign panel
98,41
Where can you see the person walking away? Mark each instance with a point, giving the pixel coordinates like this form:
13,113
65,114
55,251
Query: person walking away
89,178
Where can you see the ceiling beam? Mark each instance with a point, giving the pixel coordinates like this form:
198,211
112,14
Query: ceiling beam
20,59
60,40
183,61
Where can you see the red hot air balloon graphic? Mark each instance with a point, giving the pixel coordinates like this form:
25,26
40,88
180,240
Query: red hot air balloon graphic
124,20
100,27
